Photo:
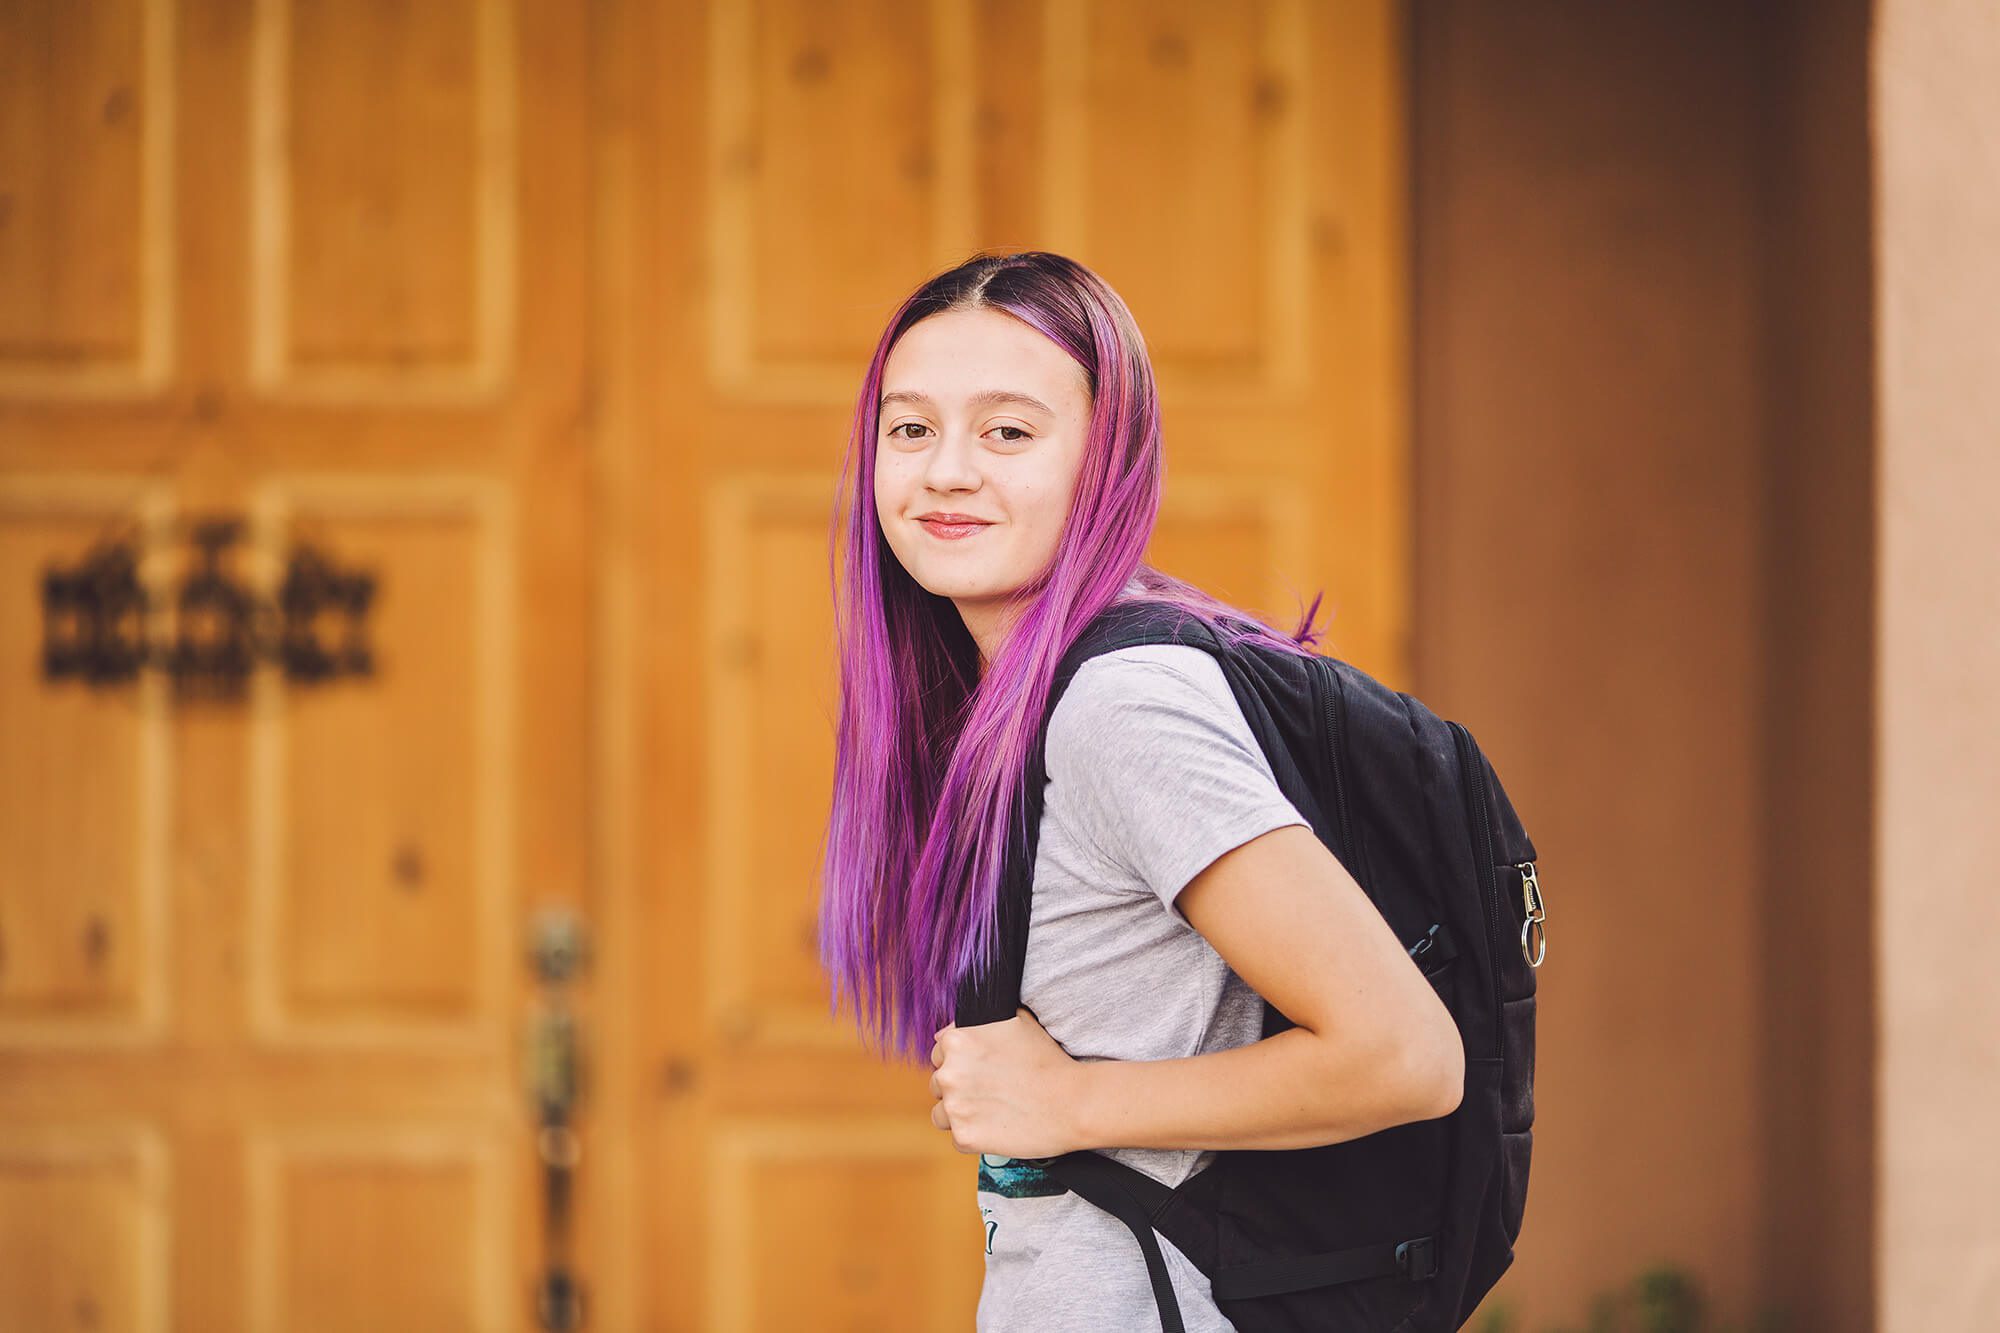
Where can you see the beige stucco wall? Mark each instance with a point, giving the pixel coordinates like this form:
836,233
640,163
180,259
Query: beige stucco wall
1937,138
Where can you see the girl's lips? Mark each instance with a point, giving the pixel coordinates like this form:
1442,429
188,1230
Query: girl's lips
950,532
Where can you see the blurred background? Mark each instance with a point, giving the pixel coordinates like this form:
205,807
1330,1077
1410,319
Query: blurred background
418,430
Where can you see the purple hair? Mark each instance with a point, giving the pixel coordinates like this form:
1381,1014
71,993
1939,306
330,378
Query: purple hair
928,754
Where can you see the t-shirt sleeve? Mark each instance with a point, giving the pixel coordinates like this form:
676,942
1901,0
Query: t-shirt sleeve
1157,767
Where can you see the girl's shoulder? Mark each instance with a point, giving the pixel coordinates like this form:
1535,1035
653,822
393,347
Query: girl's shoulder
1156,661
1125,697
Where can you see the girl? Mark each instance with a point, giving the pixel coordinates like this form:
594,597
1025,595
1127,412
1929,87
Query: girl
1001,484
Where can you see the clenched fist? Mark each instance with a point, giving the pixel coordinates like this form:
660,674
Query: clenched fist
1006,1088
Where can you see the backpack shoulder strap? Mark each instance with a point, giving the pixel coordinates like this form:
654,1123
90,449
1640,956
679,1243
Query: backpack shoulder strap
994,994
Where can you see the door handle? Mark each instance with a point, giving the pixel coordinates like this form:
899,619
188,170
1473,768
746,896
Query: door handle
559,954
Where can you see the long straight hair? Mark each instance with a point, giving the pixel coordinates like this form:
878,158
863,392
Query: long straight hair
928,753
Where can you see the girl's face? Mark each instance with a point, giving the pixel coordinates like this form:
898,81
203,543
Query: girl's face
982,419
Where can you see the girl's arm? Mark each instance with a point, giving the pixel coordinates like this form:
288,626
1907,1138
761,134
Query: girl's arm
1374,1046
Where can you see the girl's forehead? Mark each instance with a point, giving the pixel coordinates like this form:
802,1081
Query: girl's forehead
943,343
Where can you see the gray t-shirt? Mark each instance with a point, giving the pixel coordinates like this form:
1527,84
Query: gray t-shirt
1153,773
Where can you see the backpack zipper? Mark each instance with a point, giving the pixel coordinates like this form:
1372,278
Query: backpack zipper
1483,853
1330,709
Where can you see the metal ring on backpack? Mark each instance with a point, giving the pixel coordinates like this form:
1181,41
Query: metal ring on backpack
1541,936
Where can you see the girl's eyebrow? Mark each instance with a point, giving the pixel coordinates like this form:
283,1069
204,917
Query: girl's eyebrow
984,398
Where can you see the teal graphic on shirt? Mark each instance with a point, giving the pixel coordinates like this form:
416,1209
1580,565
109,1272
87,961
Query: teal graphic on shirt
1013,1178
1016,1177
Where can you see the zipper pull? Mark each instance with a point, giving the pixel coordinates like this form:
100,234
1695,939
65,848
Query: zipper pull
1432,950
1534,935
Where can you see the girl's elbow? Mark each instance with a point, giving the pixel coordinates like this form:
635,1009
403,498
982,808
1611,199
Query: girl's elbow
1434,1071
1449,1082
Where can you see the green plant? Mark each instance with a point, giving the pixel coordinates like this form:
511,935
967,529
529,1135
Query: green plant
1661,1299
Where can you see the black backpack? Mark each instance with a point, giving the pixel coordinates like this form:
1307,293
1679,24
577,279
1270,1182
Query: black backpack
1408,1228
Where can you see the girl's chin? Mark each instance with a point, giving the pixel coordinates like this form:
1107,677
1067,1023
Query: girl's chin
963,589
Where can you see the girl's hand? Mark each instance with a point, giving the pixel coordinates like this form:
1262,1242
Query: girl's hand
1006,1088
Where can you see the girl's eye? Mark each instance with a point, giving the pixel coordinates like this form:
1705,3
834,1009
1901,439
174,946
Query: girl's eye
895,432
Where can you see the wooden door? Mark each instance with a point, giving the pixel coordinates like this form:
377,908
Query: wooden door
549,317
319,271
793,170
